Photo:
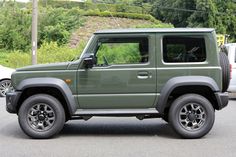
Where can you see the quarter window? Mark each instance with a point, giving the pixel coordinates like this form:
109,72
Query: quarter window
184,49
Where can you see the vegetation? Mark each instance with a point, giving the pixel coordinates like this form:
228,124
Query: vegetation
119,53
198,13
47,53
14,28
59,19
126,6
123,15
56,24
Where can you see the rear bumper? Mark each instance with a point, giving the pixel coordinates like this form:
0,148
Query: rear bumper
222,99
11,101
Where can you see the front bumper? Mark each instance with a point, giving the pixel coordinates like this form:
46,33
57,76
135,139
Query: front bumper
12,101
222,99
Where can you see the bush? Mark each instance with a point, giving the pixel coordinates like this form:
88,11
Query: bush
3,57
17,59
47,53
122,15
160,25
15,28
51,52
55,25
119,54
125,7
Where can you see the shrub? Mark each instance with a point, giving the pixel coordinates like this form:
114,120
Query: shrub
56,24
125,7
160,25
17,59
47,53
51,52
122,15
15,28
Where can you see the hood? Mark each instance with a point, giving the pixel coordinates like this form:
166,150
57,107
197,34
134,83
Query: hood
45,67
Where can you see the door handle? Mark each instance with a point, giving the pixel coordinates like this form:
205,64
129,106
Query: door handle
143,75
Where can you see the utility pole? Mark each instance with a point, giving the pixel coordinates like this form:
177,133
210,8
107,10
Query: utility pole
34,31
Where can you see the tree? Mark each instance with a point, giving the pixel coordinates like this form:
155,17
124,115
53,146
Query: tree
176,12
191,13
14,28
207,15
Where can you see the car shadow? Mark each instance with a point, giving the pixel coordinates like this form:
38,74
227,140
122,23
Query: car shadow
106,128
143,128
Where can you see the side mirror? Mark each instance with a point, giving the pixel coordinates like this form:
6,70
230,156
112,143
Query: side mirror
88,63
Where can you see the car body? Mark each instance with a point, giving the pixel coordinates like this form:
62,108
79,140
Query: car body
5,79
231,50
175,74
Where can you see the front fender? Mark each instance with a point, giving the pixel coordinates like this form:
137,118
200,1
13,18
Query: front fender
51,82
183,81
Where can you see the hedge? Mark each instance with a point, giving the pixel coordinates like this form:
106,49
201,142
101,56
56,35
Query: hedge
122,15
146,9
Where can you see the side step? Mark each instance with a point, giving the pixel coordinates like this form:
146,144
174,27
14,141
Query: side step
86,113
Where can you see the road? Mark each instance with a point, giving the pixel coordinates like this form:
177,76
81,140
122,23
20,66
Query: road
119,137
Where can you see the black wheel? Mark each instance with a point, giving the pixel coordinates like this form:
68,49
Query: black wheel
41,116
225,66
5,86
191,116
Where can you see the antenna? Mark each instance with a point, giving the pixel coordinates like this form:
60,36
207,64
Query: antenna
111,14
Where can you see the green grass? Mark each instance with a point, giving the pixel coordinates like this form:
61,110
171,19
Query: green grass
47,53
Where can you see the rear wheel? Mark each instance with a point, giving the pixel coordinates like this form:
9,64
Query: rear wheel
191,116
41,116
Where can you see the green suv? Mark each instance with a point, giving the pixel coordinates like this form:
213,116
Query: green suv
174,74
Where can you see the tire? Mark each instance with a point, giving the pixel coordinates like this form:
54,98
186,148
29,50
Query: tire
191,116
225,66
5,85
41,116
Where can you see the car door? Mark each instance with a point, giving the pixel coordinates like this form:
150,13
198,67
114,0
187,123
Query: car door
124,73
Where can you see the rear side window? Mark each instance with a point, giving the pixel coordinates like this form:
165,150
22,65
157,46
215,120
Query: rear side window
184,49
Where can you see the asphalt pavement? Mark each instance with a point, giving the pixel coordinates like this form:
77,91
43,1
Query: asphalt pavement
119,137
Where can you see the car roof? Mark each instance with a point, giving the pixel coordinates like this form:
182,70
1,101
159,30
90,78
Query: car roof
155,30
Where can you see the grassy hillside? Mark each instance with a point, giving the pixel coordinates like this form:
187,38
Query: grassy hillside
95,23
63,32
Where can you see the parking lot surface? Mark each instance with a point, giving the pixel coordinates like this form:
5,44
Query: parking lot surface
120,137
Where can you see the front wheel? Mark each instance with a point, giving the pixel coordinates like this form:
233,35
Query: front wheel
41,116
191,116
5,86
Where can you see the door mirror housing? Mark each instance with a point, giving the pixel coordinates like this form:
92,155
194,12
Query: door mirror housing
88,63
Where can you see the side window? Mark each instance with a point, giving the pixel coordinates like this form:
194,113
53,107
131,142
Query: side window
122,51
184,49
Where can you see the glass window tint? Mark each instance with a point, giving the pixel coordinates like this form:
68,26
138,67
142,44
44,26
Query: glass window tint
184,49
122,51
